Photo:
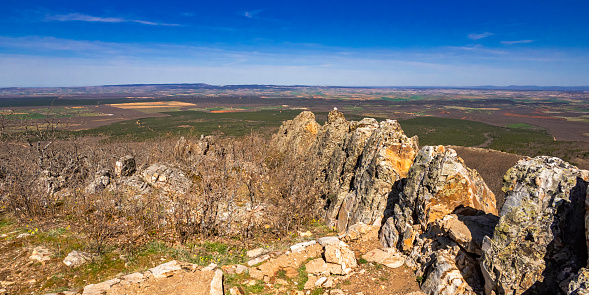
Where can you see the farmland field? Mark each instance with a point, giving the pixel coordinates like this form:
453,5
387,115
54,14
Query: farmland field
524,122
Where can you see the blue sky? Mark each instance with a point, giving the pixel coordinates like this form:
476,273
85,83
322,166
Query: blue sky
360,43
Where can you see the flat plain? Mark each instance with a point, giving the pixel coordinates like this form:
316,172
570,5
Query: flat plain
525,122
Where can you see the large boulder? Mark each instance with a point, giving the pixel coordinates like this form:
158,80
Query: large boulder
437,184
540,239
343,167
386,158
357,163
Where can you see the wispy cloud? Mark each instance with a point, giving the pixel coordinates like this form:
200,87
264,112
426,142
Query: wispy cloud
478,48
251,14
89,18
475,36
517,42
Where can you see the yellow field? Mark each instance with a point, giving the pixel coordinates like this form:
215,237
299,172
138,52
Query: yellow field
151,105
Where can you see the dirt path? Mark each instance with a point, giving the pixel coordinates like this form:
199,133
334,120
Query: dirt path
488,141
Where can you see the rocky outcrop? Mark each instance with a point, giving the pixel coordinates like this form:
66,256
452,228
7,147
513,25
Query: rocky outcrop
101,180
298,134
438,217
187,150
357,162
437,184
540,240
385,159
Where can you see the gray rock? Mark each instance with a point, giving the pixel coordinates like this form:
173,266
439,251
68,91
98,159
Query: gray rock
101,180
297,135
125,166
541,234
386,158
170,179
444,277
437,184
77,258
579,283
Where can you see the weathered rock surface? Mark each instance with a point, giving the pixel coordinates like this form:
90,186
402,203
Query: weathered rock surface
438,217
41,254
187,150
101,180
125,166
298,134
540,239
389,257
167,178
437,184
579,283
469,231
77,258
357,162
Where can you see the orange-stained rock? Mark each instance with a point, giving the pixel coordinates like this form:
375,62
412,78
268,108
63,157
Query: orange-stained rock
298,134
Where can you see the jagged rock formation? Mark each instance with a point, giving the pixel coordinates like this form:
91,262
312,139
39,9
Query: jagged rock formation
357,162
540,240
297,135
438,217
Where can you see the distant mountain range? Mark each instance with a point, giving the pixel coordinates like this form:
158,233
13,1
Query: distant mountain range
203,86
257,86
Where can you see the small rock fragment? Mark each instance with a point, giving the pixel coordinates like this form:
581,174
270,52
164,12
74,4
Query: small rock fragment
77,258
165,270
40,254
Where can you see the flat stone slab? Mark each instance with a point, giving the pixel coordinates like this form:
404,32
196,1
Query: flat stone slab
165,270
258,260
301,246
324,241
256,252
389,257
100,288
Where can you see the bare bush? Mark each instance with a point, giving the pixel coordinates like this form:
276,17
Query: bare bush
240,187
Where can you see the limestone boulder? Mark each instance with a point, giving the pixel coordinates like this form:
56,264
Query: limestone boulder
540,238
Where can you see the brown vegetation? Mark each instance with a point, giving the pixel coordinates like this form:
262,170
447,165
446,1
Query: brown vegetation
46,180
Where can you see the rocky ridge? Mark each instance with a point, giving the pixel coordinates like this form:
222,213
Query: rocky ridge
442,218
358,162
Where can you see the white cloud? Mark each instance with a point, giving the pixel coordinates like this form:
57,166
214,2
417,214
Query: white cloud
475,36
89,18
517,42
251,14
